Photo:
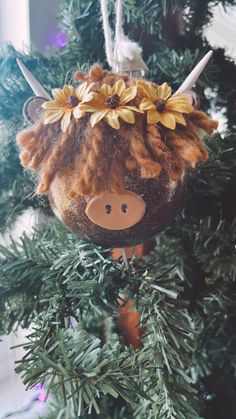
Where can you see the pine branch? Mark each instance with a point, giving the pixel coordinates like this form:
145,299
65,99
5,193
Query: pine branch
84,283
215,322
76,365
170,341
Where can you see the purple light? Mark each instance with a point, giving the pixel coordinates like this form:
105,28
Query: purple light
61,40
56,38
42,395
39,386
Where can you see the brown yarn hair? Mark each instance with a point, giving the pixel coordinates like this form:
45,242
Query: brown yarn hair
99,158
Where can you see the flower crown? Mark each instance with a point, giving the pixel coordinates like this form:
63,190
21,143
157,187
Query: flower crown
116,102
112,103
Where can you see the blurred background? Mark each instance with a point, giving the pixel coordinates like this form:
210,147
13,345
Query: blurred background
24,23
33,24
30,22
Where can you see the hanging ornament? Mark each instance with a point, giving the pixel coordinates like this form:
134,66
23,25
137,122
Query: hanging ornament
113,151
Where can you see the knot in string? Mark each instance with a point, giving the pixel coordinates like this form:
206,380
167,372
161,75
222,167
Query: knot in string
123,55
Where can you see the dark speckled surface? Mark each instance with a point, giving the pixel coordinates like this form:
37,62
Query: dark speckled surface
163,199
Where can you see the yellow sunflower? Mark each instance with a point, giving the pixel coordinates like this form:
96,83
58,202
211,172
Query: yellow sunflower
66,102
111,104
163,107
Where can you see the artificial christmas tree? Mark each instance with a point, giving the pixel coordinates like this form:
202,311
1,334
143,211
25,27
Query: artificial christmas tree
75,293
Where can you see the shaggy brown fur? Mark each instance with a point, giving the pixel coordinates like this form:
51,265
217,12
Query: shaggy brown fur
99,158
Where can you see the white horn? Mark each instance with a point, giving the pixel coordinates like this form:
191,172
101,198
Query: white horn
193,76
34,84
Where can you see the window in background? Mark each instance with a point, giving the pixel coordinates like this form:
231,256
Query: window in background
26,22
14,23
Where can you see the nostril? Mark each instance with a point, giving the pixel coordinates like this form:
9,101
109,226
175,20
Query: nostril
124,208
108,208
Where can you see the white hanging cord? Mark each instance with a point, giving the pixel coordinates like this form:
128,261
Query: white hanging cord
126,56
107,32
119,23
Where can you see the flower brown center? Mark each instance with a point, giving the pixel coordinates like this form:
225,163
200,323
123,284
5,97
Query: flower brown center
160,105
113,101
72,101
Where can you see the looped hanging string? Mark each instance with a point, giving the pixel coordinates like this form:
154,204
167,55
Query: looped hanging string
119,24
107,33
126,55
